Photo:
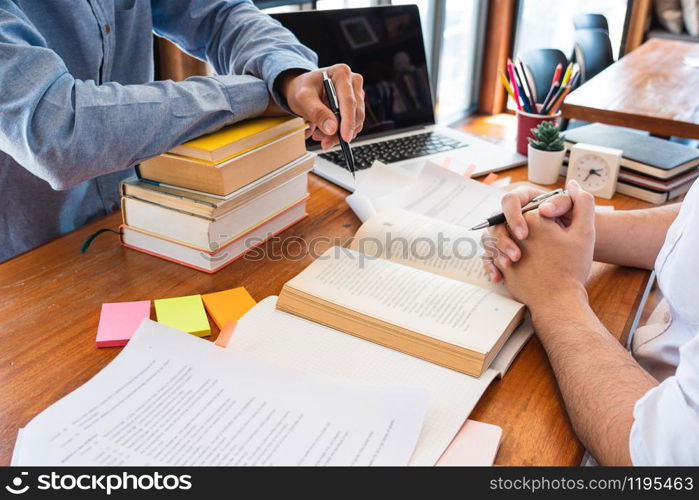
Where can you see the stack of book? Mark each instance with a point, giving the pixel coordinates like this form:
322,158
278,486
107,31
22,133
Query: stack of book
208,201
652,169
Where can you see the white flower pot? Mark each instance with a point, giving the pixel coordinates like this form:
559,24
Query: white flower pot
544,166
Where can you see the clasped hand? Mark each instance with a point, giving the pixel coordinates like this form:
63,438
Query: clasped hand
545,252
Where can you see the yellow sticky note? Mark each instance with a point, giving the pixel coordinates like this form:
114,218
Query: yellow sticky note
184,313
228,305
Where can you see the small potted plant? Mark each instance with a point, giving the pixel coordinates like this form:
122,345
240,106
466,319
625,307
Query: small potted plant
546,152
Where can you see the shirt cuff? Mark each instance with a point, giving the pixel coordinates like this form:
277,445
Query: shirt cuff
275,65
248,96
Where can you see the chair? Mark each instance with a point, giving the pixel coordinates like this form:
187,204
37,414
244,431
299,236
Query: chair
593,51
540,65
590,22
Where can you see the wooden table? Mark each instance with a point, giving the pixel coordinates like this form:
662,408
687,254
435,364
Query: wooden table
50,301
648,89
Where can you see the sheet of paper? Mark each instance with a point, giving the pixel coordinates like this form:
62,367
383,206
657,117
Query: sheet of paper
442,194
476,444
170,398
458,313
289,342
227,305
119,320
183,313
425,243
380,180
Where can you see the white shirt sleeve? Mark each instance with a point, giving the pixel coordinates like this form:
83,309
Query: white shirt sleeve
666,419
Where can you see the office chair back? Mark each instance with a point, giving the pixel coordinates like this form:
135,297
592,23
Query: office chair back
541,64
590,22
593,51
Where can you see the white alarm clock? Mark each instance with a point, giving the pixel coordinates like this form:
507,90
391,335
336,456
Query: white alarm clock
595,168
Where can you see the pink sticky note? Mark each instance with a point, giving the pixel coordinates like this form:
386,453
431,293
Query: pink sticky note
119,320
468,173
475,444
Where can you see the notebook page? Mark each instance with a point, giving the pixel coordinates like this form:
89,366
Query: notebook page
448,310
289,342
170,398
425,243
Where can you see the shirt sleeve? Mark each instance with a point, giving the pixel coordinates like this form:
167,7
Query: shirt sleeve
665,430
234,37
65,130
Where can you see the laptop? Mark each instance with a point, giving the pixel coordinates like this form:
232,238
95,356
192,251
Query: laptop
385,45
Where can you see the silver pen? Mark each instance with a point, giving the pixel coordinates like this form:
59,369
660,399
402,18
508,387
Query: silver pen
532,205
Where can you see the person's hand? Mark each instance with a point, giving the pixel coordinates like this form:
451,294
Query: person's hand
501,240
305,96
555,259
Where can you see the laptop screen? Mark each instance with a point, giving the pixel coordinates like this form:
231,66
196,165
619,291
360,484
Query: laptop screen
385,46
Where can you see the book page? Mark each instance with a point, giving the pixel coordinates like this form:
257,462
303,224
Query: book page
465,315
425,243
170,398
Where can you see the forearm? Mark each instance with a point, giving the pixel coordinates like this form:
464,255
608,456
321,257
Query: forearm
632,237
78,130
234,36
599,380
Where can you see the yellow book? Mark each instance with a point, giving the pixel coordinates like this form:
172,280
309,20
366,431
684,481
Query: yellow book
238,138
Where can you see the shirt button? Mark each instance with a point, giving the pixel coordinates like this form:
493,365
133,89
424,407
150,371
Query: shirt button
107,28
666,317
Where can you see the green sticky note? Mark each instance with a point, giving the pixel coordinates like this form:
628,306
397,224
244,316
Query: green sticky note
184,313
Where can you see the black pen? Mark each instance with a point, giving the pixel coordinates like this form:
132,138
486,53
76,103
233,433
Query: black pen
532,205
335,108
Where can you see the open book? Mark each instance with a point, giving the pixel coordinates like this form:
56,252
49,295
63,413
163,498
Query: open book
411,283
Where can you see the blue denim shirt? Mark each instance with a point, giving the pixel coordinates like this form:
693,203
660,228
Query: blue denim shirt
79,107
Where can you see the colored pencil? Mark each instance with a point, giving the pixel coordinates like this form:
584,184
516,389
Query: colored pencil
557,103
566,75
556,74
569,88
552,91
553,100
528,86
506,84
510,71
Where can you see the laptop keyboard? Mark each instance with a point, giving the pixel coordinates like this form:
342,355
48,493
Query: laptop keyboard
394,150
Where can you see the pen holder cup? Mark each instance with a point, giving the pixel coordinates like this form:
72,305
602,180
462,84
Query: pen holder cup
526,122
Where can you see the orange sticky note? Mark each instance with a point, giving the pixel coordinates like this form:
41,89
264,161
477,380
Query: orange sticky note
490,178
228,305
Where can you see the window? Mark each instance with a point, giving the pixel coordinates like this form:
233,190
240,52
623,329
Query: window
549,23
459,62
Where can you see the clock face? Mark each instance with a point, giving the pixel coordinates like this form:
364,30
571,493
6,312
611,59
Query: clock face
591,171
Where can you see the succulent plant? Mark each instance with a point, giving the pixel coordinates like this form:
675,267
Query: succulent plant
547,137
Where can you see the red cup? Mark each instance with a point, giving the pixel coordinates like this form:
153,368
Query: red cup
525,123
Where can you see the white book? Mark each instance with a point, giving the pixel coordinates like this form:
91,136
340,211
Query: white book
211,262
211,234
